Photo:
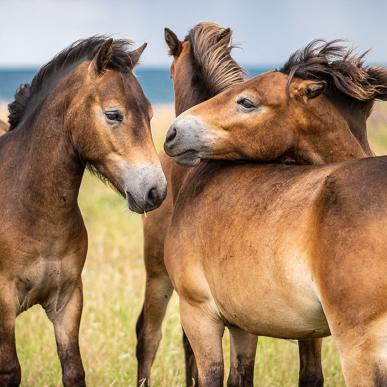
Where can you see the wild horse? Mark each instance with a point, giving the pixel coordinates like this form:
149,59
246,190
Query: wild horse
83,109
278,250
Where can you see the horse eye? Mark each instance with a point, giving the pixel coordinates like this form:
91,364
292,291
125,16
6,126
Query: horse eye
246,103
113,116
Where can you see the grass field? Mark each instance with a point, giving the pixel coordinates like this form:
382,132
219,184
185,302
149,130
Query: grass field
113,287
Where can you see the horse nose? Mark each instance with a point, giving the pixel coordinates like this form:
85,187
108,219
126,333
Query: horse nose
154,197
171,135
172,132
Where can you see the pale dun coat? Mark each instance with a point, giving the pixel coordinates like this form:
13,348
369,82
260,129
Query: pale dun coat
277,250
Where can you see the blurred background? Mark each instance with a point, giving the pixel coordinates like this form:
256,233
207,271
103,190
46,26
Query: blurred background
267,32
33,31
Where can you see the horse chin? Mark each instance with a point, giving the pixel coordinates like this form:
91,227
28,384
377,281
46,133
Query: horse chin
133,205
188,160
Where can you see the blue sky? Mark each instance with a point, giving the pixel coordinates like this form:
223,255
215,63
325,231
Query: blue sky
32,31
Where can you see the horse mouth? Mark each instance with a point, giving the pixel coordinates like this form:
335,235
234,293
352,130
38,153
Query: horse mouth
189,157
132,204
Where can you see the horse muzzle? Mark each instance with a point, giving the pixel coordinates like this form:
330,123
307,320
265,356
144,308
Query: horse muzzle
187,140
145,188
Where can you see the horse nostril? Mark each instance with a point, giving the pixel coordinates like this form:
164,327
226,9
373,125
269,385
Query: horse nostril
172,132
152,197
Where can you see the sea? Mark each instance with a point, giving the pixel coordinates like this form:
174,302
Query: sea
156,82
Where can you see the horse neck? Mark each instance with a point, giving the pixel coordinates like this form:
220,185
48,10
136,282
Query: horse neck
343,136
192,91
355,115
49,172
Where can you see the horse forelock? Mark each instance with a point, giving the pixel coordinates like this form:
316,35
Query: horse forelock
211,49
50,74
342,69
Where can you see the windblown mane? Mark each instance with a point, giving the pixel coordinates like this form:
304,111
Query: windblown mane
62,64
211,49
340,67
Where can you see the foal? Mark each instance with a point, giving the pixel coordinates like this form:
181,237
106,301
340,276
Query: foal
284,252
84,108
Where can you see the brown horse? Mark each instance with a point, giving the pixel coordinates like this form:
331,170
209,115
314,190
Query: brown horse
202,67
84,108
3,127
264,249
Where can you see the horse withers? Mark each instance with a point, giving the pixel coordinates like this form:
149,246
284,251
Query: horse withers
83,109
265,249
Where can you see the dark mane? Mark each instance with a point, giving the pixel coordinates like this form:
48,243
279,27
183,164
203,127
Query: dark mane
211,50
61,65
340,67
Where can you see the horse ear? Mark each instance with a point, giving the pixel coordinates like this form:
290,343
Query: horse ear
135,54
103,56
172,41
225,34
308,89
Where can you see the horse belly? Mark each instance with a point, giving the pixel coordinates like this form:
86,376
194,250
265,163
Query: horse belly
274,297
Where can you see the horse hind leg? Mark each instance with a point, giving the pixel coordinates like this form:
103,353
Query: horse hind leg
148,328
311,374
243,347
363,354
10,373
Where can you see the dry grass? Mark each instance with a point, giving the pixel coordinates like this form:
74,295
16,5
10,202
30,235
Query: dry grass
3,111
113,286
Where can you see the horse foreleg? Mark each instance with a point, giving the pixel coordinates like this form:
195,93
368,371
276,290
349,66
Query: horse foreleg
191,370
243,347
10,374
148,328
311,374
204,330
66,326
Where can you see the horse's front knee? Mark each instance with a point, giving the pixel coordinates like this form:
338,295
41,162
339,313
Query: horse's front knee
74,378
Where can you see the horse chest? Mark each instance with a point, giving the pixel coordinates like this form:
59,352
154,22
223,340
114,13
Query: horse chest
42,268
45,282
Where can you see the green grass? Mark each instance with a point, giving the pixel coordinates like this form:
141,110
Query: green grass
113,287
